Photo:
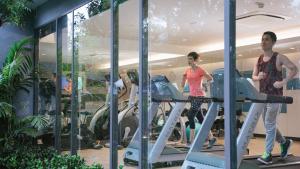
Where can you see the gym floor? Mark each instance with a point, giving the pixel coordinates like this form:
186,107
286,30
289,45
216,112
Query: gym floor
256,147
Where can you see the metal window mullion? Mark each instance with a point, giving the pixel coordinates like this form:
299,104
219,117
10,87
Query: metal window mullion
229,84
57,127
74,97
143,81
114,71
36,73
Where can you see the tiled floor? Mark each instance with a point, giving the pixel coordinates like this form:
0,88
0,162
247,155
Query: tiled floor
256,147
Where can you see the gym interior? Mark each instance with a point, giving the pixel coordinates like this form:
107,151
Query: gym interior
75,50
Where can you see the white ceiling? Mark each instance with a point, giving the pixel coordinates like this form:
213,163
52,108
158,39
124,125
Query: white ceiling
179,26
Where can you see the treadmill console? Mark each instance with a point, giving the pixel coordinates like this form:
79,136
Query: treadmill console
162,89
244,89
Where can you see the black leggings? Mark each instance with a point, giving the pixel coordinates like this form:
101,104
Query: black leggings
194,110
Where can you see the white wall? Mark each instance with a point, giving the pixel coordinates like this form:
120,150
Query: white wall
287,122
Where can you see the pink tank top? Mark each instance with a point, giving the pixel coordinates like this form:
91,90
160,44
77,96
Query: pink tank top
195,78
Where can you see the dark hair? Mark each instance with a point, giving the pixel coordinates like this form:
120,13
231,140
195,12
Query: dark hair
195,55
272,35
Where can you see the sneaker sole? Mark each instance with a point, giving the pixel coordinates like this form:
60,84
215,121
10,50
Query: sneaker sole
264,162
210,145
287,153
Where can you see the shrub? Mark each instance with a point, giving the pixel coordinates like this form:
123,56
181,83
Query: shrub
37,157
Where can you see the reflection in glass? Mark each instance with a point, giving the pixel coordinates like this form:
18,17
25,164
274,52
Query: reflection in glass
47,80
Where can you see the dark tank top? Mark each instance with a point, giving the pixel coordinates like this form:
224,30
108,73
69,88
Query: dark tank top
272,75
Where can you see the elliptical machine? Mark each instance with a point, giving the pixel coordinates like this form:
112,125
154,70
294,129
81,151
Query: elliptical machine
98,128
127,118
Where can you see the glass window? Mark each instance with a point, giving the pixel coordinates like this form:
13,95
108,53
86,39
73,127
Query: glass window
92,59
46,93
253,47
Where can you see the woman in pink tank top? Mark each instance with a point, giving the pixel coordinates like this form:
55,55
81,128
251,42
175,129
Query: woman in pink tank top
194,75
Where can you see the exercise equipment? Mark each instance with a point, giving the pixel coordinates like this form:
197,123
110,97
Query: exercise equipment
127,117
98,128
159,120
159,152
245,91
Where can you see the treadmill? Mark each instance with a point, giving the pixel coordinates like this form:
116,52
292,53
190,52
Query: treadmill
160,152
245,92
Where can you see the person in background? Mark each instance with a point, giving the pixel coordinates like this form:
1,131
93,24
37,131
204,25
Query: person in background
194,76
68,90
268,71
68,87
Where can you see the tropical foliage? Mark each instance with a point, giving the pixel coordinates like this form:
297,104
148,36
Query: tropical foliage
28,157
14,11
18,149
16,74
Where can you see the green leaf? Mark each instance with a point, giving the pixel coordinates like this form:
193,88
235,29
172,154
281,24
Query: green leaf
39,122
6,110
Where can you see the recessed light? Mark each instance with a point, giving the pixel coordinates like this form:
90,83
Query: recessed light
169,65
292,48
43,54
240,55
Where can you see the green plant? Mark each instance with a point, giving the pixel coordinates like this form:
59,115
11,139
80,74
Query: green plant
14,11
28,157
68,161
21,130
16,75
97,6
25,156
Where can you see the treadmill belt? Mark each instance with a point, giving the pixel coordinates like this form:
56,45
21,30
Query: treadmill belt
291,162
217,147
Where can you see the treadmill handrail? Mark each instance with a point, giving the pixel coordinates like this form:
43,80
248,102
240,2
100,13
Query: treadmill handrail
269,99
202,99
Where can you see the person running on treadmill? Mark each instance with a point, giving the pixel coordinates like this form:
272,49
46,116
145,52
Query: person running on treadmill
194,76
268,71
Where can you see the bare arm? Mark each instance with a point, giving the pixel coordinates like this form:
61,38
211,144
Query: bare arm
293,70
255,75
183,80
208,76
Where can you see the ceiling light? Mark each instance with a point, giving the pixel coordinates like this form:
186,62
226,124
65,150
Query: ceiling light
152,57
240,55
169,65
43,54
286,34
292,48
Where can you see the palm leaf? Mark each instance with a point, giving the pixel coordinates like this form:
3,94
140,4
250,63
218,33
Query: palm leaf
39,122
6,110
32,132
16,49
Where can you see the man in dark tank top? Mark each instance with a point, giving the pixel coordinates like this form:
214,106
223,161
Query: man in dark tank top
268,71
